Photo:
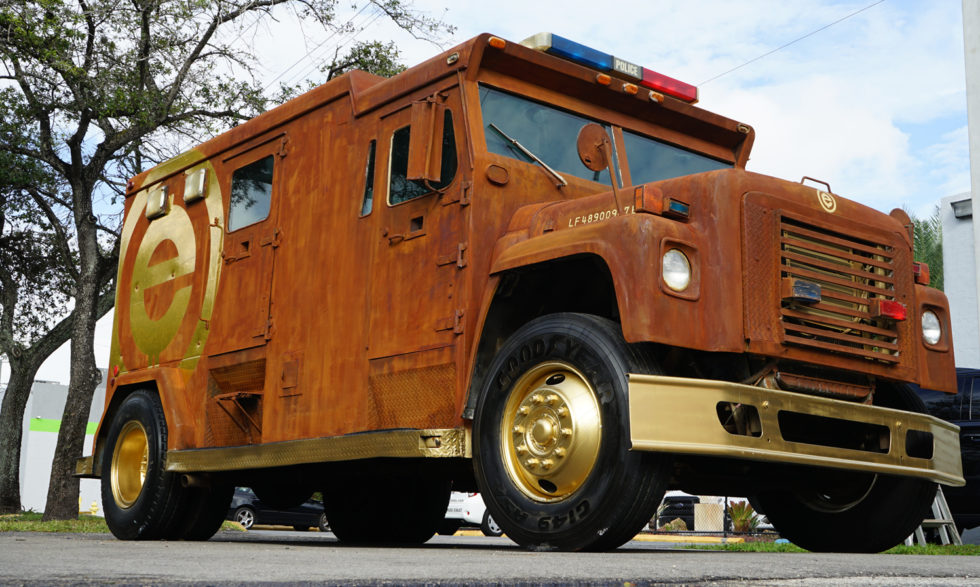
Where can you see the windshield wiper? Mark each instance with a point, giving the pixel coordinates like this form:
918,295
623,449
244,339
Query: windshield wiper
558,178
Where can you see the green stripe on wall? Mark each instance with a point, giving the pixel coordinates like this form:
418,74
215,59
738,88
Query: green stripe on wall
49,425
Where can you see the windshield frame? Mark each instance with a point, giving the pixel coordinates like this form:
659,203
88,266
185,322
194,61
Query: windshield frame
653,127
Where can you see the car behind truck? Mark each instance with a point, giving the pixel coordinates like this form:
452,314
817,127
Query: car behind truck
532,270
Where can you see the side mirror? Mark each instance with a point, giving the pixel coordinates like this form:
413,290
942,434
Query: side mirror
425,141
595,152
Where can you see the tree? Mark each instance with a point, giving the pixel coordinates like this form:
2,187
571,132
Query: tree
106,89
33,261
928,245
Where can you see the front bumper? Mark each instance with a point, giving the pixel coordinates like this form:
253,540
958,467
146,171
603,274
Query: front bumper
679,415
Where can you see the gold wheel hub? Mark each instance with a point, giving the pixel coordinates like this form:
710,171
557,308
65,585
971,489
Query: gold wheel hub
129,462
551,430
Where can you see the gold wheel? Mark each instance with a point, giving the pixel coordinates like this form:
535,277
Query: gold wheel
551,431
129,462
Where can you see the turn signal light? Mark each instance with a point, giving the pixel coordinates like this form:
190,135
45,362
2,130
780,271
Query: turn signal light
889,309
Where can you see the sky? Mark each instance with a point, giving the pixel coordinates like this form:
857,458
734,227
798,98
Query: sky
874,105
870,98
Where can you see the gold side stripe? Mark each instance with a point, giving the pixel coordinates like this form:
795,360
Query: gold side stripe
437,443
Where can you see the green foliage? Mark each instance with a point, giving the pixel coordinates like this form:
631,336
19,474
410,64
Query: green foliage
928,245
675,525
744,518
372,56
85,524
31,522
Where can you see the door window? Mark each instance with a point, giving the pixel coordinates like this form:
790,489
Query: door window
400,188
251,194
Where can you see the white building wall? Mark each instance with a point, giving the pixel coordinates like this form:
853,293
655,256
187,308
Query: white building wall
960,282
45,407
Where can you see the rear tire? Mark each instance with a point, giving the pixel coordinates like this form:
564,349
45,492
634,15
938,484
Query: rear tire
203,512
551,437
140,498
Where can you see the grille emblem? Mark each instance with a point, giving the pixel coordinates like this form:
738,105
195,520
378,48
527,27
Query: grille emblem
827,201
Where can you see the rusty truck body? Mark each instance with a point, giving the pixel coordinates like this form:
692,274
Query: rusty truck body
517,270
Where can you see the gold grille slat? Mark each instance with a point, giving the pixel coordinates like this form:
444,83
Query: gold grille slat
839,269
851,273
860,326
794,227
795,240
855,285
840,336
883,357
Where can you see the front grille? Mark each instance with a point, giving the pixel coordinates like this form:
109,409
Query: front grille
851,273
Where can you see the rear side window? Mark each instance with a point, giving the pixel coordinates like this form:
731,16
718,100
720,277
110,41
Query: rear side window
367,203
251,194
400,188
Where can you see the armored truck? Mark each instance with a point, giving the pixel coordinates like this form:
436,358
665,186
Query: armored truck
533,270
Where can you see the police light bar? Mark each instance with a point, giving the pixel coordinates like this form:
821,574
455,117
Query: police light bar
589,57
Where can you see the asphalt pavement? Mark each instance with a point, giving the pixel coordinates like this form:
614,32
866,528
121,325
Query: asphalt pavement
274,557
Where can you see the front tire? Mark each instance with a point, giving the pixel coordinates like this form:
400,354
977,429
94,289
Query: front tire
876,511
551,437
140,498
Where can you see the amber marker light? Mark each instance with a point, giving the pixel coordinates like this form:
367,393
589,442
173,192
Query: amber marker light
921,272
603,79
631,89
497,43
656,97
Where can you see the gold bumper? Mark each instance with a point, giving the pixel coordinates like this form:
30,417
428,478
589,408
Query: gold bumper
679,415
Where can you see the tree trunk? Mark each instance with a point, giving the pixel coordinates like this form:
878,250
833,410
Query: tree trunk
11,432
62,500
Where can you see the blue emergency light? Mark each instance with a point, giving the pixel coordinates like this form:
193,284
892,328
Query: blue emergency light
591,58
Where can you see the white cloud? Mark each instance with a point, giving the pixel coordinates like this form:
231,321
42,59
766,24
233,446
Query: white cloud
855,104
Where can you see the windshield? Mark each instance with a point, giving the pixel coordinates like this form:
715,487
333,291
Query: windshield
551,134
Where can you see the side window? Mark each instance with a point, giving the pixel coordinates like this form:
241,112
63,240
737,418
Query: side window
970,390
400,188
251,193
368,202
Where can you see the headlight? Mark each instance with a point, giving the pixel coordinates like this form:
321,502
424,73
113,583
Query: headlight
932,330
676,270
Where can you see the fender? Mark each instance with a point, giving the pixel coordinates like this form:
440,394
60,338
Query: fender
169,384
631,246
